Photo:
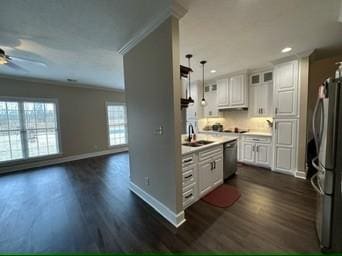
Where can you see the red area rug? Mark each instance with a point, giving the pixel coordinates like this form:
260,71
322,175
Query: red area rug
223,196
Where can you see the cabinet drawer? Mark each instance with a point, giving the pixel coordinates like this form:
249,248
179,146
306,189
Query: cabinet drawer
261,139
189,195
188,160
211,152
189,176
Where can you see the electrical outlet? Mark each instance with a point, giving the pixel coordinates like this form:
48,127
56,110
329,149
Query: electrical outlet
147,181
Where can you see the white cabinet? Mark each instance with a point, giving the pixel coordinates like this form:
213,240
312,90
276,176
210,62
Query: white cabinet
248,152
222,93
201,173
263,154
257,150
285,145
286,90
260,94
195,111
237,91
217,174
232,92
205,177
210,169
210,110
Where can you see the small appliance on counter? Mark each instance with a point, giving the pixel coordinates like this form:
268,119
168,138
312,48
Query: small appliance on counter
236,130
217,127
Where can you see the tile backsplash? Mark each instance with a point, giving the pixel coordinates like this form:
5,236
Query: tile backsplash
237,118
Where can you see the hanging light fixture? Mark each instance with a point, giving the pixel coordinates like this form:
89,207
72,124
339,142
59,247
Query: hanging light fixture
190,100
203,101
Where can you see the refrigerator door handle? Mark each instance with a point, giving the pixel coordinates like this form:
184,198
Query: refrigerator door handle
316,187
316,134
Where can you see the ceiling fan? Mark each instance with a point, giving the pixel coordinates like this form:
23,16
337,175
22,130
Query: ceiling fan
10,61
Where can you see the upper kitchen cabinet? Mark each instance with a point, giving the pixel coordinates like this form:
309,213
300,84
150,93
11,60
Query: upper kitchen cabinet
260,94
232,92
285,95
195,111
210,110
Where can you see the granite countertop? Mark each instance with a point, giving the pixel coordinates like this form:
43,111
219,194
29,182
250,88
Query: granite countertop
217,141
251,133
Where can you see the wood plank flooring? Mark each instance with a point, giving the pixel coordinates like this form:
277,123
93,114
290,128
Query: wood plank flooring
86,206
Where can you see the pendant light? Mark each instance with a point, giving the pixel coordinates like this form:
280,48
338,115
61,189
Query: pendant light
190,100
203,101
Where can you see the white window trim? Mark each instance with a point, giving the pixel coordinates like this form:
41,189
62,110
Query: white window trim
111,103
37,158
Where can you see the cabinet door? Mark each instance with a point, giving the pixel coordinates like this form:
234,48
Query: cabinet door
222,93
217,173
285,89
263,154
205,177
248,152
253,107
193,111
265,100
237,93
284,145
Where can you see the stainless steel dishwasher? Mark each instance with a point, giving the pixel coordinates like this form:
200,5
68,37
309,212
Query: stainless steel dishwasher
229,158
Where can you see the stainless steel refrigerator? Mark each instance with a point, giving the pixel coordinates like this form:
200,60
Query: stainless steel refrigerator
327,130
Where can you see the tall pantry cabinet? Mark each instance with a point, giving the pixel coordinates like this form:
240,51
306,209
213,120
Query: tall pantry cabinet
285,114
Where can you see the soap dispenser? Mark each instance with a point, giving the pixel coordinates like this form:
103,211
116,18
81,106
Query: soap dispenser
338,73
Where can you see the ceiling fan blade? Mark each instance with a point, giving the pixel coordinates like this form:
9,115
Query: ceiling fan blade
15,66
21,59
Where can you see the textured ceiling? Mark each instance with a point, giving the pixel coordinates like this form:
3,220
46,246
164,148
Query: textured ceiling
77,39
233,35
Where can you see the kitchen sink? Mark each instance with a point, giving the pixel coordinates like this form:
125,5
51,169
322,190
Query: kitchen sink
192,144
204,142
197,143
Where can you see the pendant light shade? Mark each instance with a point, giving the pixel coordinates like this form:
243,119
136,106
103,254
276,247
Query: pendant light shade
190,100
203,101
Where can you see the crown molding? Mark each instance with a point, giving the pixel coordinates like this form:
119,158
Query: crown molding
176,10
60,83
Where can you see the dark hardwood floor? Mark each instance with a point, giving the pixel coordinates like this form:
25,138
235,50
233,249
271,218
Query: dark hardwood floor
86,206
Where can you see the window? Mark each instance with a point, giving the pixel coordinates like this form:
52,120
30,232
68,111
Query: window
27,129
117,124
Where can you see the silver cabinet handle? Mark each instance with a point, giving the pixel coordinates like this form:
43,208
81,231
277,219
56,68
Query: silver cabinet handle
276,110
187,177
188,196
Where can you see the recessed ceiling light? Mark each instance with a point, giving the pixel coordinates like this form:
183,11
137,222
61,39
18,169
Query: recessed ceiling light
213,71
286,49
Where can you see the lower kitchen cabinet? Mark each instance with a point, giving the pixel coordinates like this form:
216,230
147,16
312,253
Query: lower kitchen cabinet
285,145
202,172
205,177
257,151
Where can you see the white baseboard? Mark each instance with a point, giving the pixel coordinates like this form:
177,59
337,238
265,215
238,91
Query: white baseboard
300,175
53,161
175,219
291,173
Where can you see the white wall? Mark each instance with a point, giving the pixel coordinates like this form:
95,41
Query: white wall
153,92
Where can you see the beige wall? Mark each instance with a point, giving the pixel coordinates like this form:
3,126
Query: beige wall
319,70
153,92
82,112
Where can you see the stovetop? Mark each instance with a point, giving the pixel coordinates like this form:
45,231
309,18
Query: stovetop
238,131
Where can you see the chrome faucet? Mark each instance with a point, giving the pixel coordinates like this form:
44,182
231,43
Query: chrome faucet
270,124
189,132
